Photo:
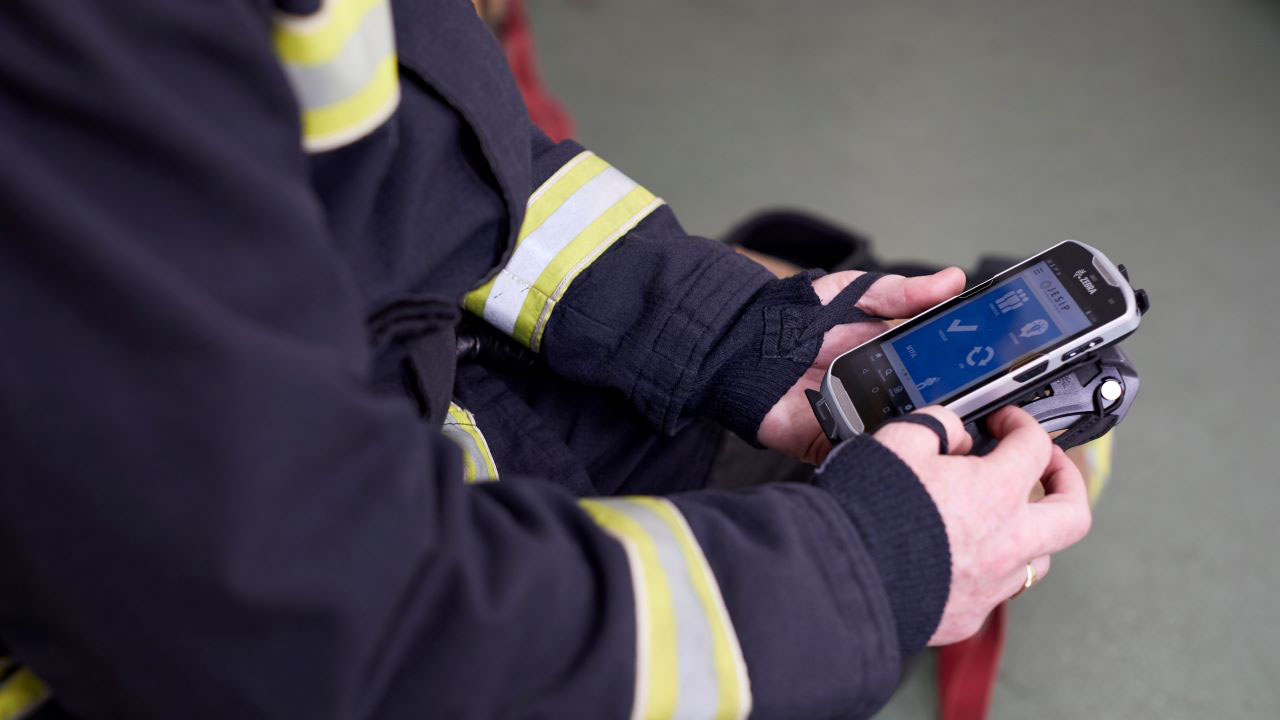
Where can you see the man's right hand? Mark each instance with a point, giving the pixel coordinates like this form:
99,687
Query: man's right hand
992,527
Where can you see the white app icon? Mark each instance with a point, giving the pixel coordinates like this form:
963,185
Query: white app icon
980,356
1012,300
1033,328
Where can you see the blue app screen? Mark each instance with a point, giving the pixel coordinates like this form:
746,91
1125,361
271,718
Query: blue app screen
983,336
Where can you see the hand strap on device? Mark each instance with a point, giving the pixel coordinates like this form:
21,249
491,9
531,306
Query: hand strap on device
928,421
1082,402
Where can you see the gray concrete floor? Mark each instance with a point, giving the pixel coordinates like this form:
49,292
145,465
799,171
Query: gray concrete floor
1150,128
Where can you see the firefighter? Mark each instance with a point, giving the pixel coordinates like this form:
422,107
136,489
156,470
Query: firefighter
247,476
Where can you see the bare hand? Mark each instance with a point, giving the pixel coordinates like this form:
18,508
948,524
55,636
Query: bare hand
992,527
789,426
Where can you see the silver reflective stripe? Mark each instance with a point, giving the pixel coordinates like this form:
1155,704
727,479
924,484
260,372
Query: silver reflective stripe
688,661
536,251
474,464
697,697
346,74
570,220
460,427
341,64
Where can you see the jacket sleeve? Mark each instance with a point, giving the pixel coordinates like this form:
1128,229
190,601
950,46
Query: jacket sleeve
208,514
608,287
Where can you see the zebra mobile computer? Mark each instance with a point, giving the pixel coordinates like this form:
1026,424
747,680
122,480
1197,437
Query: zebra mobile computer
989,346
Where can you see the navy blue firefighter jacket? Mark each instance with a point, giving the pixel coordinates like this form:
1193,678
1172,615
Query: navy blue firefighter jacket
242,473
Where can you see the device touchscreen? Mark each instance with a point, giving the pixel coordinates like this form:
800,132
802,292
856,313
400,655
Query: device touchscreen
983,336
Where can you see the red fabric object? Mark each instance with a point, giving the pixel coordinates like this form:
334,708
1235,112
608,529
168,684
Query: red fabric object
517,41
967,671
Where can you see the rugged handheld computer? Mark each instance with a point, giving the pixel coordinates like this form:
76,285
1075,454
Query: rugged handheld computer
988,346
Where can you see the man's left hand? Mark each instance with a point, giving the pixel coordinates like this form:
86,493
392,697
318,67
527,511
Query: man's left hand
789,426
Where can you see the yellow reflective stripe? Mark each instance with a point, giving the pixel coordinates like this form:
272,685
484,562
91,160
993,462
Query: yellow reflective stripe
688,660
574,258
558,188
22,694
490,468
334,125
469,470
730,668
656,660
544,201
341,63
477,459
573,217
473,302
318,38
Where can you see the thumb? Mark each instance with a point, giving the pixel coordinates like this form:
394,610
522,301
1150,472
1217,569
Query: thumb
895,296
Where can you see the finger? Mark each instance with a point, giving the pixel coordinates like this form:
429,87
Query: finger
958,440
1063,481
1018,579
921,439
829,286
895,296
1023,450
1063,517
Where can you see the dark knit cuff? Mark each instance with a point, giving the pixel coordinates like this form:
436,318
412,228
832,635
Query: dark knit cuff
762,355
901,527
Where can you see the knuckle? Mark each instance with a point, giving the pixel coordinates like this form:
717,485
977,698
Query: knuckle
950,422
1006,416
915,290
874,299
1040,440
1072,530
1036,454
946,415
897,438
1003,558
1020,414
1009,553
890,435
1083,523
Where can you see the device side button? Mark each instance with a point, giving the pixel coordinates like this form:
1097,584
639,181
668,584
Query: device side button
1031,371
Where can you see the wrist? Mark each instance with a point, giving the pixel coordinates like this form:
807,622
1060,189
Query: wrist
902,529
761,355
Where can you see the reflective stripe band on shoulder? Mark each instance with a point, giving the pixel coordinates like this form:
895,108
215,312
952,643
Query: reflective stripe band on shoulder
577,214
341,63
477,460
688,661
21,694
